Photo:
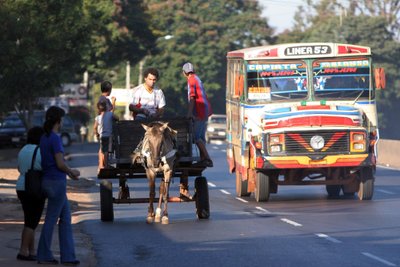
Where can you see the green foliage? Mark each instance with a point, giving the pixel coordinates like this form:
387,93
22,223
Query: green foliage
201,32
44,43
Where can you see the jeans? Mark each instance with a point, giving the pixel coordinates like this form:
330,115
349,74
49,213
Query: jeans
57,211
199,129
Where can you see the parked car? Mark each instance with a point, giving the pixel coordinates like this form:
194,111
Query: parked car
216,127
13,131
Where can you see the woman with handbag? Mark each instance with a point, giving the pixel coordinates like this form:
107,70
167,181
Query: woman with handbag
54,186
31,205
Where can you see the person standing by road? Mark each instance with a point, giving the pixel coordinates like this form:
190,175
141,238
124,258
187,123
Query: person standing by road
106,88
199,110
83,130
32,206
54,185
148,100
103,125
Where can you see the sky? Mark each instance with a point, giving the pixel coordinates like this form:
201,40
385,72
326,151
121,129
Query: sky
280,12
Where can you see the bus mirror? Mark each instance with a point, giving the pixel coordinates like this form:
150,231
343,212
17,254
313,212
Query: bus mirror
380,79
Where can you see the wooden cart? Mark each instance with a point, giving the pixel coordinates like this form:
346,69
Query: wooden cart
126,136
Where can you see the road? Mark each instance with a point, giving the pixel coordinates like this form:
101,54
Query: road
299,226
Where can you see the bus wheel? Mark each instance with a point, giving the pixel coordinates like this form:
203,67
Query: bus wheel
262,187
241,186
333,190
366,189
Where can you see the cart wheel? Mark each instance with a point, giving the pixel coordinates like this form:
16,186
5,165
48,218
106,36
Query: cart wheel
201,195
106,201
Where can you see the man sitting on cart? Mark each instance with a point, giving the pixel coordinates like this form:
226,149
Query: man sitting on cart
148,100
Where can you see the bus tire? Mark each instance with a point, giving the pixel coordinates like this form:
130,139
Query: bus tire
262,190
367,180
241,186
106,201
201,198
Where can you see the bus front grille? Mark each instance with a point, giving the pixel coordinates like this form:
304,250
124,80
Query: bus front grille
334,142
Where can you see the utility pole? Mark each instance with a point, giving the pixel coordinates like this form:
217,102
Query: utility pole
128,89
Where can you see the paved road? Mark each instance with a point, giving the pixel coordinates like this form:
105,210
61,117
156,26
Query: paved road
299,226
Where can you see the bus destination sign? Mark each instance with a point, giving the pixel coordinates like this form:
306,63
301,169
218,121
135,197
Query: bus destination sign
308,50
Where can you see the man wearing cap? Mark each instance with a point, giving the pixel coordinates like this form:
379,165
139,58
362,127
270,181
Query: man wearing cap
199,110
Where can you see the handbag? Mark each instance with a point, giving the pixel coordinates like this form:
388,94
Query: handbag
33,179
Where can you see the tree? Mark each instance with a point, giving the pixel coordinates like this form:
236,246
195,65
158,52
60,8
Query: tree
47,42
201,32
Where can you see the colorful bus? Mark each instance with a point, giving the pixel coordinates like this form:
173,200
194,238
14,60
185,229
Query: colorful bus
302,114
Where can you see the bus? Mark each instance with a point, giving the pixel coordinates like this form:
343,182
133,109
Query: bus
302,114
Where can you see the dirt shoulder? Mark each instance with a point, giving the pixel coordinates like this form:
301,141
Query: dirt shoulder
11,215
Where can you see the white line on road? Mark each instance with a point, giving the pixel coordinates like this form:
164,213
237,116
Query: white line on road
388,263
327,237
241,199
264,210
225,192
291,222
211,184
385,191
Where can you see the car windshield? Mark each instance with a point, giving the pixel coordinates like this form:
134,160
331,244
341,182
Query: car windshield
344,79
12,123
218,120
274,81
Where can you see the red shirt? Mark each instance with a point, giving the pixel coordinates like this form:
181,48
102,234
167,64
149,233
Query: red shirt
202,107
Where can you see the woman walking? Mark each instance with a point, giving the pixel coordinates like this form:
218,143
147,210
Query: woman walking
54,186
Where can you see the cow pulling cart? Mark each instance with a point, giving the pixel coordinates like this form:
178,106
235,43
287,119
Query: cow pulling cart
126,137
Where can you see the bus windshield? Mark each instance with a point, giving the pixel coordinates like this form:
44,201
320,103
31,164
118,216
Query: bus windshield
341,79
274,81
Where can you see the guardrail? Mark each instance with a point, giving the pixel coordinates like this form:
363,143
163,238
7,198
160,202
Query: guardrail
388,153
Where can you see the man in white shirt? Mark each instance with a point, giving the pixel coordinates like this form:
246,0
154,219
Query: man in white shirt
148,101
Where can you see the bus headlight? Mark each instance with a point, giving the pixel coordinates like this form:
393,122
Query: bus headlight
359,146
276,148
274,139
358,137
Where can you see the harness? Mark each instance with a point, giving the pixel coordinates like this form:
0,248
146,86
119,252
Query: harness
145,154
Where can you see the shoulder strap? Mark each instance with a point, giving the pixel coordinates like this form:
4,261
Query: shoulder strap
34,157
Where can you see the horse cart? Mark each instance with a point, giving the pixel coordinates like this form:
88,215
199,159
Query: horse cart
127,136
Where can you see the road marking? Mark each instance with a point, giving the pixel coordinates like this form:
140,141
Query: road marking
241,199
327,237
388,263
291,222
225,192
264,210
385,191
211,184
